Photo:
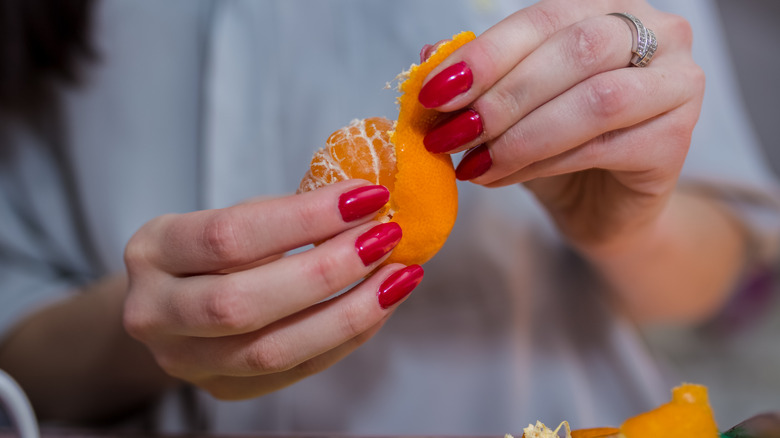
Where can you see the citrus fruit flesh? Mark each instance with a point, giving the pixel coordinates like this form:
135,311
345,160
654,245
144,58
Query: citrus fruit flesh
423,190
687,415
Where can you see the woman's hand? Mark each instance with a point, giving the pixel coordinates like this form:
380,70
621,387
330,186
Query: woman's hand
217,305
548,98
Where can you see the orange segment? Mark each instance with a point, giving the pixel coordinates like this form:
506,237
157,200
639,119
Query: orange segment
687,415
423,191
360,150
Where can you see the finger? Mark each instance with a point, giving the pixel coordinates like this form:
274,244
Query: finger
494,53
570,56
606,102
212,240
245,301
254,264
634,156
429,49
305,335
238,388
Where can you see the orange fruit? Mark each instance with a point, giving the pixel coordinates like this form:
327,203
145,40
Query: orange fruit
423,191
687,415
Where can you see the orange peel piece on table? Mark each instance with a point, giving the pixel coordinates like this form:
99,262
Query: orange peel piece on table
687,415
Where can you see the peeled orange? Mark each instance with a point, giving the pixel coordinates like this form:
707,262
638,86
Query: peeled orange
687,415
423,191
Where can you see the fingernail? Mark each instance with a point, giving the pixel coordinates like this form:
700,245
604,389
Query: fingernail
474,163
378,241
362,201
429,49
450,82
426,52
457,131
399,284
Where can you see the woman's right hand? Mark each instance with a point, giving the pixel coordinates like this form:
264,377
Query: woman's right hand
218,306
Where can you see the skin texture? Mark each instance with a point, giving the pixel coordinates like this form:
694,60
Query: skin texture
561,116
601,145
252,331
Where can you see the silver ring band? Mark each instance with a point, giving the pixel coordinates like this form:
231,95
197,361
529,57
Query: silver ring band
644,43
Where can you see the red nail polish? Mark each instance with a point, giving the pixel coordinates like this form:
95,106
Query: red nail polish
399,284
450,82
362,201
457,131
474,163
378,241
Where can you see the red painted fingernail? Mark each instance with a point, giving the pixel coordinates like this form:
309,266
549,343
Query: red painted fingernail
450,82
362,201
474,163
454,132
378,241
399,284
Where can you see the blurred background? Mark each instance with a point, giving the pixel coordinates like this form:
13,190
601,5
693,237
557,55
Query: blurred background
753,28
740,361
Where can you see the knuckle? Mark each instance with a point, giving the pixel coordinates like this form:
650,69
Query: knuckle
606,98
324,270
511,150
220,239
225,307
489,54
585,45
135,321
139,251
308,213
545,21
135,254
681,29
698,79
505,103
352,319
269,356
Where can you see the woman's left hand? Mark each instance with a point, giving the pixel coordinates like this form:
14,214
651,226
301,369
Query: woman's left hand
548,98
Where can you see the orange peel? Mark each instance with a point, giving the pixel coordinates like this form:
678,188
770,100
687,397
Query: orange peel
423,190
687,415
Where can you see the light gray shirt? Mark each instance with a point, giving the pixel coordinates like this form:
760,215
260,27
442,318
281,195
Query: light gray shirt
202,104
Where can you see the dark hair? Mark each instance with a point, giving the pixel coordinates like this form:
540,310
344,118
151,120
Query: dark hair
42,44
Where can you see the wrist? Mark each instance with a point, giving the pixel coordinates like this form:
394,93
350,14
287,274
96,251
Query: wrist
628,240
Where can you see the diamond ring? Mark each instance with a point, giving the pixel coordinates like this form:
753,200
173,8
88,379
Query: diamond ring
644,43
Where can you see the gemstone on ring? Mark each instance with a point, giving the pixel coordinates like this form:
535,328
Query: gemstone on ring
644,43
